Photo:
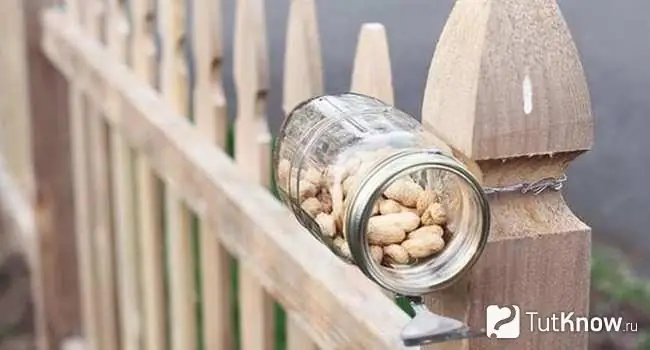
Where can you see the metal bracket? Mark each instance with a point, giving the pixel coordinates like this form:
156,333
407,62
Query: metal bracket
427,327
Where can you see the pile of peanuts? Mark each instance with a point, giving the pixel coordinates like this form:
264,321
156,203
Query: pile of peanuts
407,223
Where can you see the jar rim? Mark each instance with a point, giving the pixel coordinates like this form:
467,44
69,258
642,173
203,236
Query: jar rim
359,211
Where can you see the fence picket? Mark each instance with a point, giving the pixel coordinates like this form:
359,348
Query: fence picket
150,232
102,228
303,78
117,30
211,120
252,153
174,85
85,249
371,74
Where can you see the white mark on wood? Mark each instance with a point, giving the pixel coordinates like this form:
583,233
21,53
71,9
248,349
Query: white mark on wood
528,95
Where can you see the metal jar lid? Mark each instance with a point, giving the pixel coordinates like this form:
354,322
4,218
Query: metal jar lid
438,272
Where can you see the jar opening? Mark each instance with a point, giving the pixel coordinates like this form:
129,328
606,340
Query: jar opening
430,225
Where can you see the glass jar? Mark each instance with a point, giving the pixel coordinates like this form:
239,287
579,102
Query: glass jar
367,181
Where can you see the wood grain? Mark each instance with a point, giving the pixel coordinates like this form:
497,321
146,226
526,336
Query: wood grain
506,81
341,308
117,29
252,152
371,74
150,232
303,78
211,119
57,302
507,92
182,296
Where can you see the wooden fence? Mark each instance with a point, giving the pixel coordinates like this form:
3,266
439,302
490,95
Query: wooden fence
161,210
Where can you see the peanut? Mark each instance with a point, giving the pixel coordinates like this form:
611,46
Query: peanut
389,206
312,206
342,246
327,224
434,215
425,199
314,176
377,253
284,169
306,189
385,234
325,199
350,184
396,254
406,221
427,230
375,209
424,245
404,191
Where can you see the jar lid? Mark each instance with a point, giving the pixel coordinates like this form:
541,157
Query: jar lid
438,271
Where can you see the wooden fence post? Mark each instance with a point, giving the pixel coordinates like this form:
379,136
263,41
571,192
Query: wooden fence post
123,210
252,154
150,232
303,78
174,88
58,295
211,119
506,89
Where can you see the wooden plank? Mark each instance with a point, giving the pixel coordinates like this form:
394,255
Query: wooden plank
150,232
117,29
57,302
252,153
109,337
211,120
15,125
85,247
179,235
508,102
371,74
340,308
303,78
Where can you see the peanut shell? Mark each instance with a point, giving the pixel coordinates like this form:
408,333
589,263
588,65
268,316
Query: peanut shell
312,206
407,221
327,224
423,246
434,215
404,191
385,234
396,254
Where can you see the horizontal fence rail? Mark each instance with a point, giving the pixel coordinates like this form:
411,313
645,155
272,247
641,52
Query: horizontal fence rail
332,302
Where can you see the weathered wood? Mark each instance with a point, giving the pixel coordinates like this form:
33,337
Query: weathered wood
150,232
303,78
172,14
15,125
506,81
303,68
371,74
85,247
252,154
58,308
211,120
507,90
99,168
117,29
340,307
